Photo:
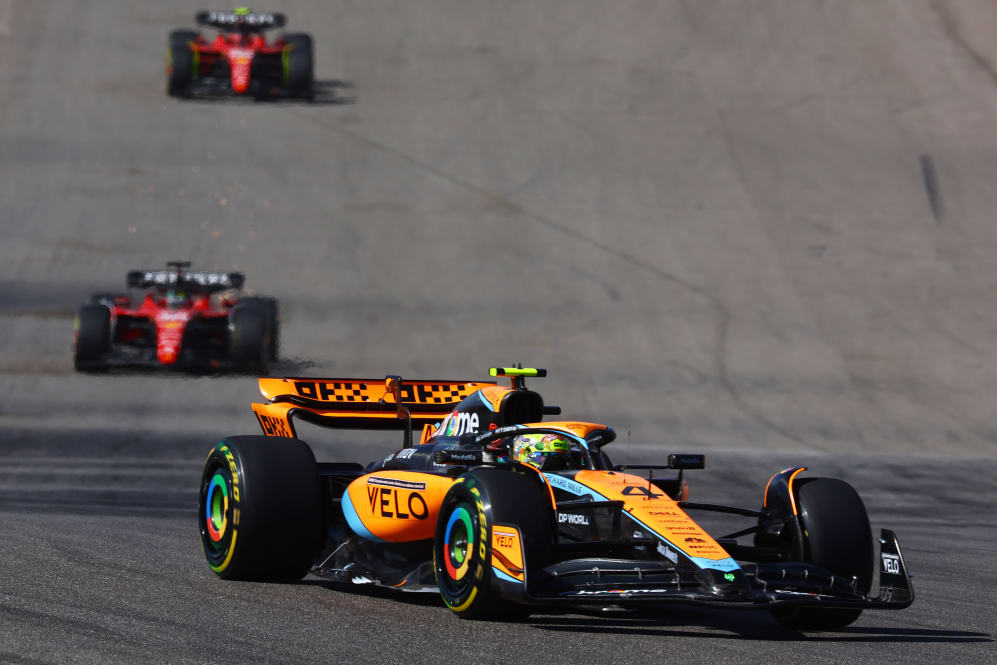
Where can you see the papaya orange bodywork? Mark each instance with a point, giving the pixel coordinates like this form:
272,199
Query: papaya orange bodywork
274,418
579,429
649,505
359,391
507,551
399,506
792,498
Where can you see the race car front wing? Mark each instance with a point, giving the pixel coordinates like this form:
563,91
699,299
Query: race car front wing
755,586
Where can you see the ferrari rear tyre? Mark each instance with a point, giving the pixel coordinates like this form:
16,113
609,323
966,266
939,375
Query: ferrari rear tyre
250,339
298,63
93,337
462,549
836,537
269,305
180,63
261,509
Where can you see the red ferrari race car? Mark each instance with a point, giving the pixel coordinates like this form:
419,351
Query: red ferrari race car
239,60
190,319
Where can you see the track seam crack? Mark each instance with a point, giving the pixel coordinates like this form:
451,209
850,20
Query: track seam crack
952,30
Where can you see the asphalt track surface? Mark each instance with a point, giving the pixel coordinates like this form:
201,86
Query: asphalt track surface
763,230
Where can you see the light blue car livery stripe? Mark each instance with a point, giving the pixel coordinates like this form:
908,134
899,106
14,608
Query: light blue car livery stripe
576,488
354,520
502,576
726,565
485,401
573,486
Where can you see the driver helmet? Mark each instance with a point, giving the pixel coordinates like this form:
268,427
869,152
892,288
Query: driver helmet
240,18
176,298
543,451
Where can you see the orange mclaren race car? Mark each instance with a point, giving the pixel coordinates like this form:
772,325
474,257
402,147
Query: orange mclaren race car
502,512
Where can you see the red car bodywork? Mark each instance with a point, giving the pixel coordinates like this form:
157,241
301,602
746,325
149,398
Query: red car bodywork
239,51
169,322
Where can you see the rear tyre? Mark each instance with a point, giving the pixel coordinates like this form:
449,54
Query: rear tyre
261,509
462,548
298,64
273,320
93,338
180,63
250,339
836,537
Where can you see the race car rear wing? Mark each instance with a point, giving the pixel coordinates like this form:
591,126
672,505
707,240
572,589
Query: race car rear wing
382,404
232,19
203,280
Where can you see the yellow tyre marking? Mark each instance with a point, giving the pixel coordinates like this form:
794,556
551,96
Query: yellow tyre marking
228,559
467,603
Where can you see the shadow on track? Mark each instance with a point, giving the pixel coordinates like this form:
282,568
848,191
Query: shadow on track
279,367
421,599
750,626
690,622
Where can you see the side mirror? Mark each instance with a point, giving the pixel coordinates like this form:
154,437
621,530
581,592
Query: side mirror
686,461
134,279
237,279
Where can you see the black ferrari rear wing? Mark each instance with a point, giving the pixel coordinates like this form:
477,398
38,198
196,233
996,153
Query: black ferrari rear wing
202,280
234,19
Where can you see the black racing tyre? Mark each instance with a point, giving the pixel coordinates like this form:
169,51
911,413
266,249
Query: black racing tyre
836,537
249,338
179,63
260,512
273,320
93,337
462,549
298,64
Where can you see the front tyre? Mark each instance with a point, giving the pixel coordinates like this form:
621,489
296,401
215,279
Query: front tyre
462,548
261,509
836,537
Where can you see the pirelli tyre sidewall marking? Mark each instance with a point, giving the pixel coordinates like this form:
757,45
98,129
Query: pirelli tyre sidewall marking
219,510
462,573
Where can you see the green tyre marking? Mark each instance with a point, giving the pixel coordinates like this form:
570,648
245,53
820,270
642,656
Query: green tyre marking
285,57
